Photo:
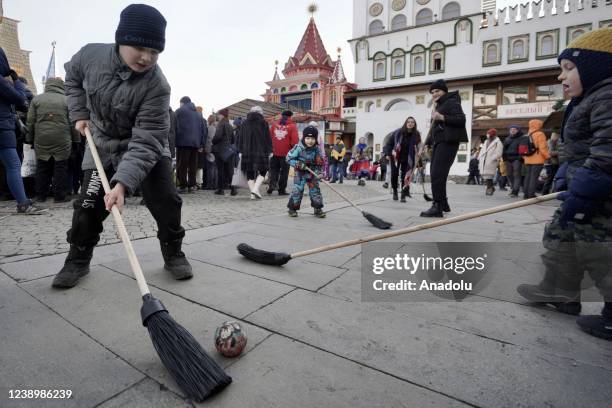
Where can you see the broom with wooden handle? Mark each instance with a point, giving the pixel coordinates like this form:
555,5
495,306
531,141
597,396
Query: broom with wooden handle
195,372
374,220
281,258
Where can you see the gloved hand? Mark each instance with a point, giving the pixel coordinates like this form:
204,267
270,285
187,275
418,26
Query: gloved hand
586,195
300,165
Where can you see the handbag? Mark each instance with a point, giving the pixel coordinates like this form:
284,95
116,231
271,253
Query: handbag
28,166
227,153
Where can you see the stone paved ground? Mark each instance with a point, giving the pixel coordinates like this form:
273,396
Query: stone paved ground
32,236
312,340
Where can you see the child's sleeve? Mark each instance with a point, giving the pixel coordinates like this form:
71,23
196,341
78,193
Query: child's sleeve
149,135
317,166
75,93
293,156
600,152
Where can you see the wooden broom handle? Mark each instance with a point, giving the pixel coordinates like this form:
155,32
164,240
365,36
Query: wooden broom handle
333,189
125,238
429,225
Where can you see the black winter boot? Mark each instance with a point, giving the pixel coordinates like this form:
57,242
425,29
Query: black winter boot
444,205
598,326
564,302
175,261
75,267
395,194
405,193
490,188
434,211
233,190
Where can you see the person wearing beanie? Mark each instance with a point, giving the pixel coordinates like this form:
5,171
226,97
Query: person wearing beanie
489,156
336,160
129,119
446,132
512,158
284,136
306,154
255,146
191,134
578,237
224,149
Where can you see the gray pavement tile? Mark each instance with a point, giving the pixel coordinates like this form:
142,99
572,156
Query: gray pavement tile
235,293
299,273
50,265
517,324
308,377
438,357
40,350
146,393
106,305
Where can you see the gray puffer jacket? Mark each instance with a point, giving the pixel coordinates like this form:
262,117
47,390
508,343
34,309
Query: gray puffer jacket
127,111
587,136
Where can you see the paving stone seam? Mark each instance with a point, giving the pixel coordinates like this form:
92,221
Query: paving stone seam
162,386
331,281
238,358
269,303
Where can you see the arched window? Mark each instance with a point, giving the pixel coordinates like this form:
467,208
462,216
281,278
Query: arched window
314,85
424,16
380,66
577,33
399,105
376,27
361,53
418,65
283,89
451,10
417,56
492,52
369,106
518,49
547,45
397,64
463,31
304,86
275,90
398,22
437,57
293,88
333,99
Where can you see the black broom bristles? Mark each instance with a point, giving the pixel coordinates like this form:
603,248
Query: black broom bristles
263,257
375,221
195,372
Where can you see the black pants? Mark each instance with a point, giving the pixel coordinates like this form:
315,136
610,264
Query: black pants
186,166
515,177
252,175
160,196
531,179
279,172
396,170
225,171
442,159
51,169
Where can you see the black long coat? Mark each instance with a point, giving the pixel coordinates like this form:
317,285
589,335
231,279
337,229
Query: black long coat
255,143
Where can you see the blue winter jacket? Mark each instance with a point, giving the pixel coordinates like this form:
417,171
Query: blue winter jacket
190,128
11,95
310,156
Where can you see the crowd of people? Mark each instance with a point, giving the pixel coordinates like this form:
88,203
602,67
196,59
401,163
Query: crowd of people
137,143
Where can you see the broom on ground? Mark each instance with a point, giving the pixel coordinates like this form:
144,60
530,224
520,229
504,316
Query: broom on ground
374,220
281,258
195,372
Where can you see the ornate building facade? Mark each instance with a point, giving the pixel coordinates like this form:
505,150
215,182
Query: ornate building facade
502,62
312,82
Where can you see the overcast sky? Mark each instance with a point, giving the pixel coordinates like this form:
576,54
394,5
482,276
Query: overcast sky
217,52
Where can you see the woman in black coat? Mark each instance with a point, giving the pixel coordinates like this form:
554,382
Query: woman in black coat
255,146
447,131
400,151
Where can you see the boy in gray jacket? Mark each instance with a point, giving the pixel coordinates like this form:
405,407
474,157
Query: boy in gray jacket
121,95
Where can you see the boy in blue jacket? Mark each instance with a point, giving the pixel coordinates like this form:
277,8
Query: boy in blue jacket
306,154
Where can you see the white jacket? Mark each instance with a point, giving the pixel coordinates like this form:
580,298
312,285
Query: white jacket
489,156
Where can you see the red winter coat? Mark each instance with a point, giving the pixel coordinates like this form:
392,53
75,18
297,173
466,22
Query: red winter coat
284,137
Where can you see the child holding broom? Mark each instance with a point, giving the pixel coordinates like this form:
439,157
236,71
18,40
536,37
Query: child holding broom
121,95
579,237
306,154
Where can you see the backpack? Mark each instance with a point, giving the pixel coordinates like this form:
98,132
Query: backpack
526,147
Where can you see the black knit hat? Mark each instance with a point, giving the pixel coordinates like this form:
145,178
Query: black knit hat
287,113
439,84
141,25
592,54
310,131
